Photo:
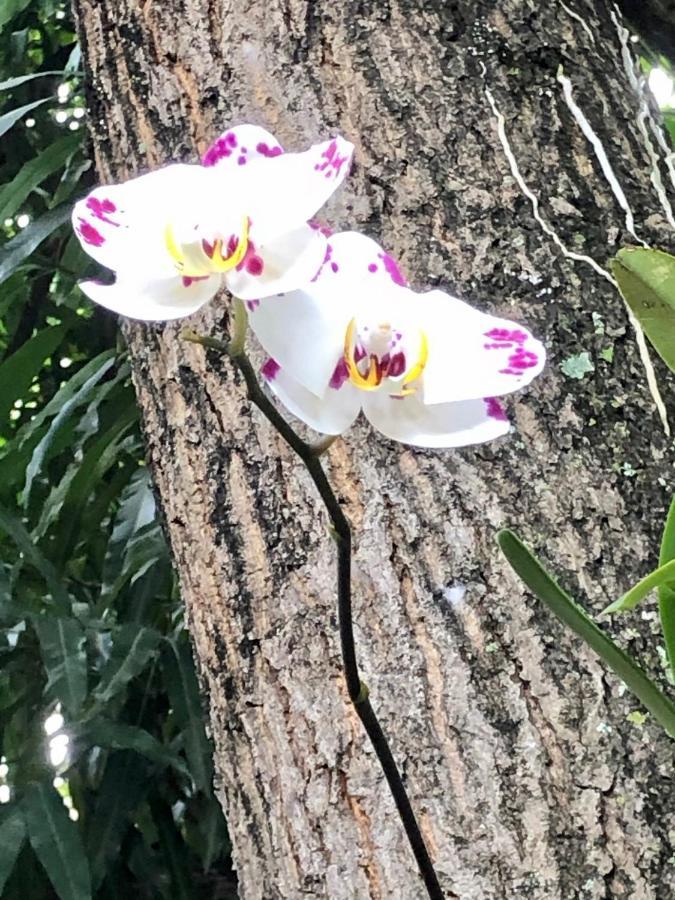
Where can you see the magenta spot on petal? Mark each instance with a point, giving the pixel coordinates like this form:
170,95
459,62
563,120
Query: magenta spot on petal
339,376
334,266
372,267
252,305
270,369
495,410
359,353
254,265
265,150
392,269
231,139
241,161
100,209
90,235
190,279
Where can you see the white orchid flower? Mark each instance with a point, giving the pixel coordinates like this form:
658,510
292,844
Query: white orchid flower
425,369
175,236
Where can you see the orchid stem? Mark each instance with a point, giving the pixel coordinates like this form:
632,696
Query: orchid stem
342,535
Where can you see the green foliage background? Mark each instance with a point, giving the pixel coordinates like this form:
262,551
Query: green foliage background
91,624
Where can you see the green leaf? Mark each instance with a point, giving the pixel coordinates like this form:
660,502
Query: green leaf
12,834
79,397
131,650
136,510
12,117
666,592
11,83
173,850
56,842
183,690
124,784
9,9
664,575
34,172
15,530
120,736
647,282
538,580
62,647
18,371
29,239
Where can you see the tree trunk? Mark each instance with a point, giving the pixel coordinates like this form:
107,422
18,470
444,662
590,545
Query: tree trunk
473,168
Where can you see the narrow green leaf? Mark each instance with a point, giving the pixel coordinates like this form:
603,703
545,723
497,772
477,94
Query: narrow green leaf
17,372
12,117
119,736
136,510
124,784
34,172
646,279
15,530
65,660
29,239
131,650
78,399
666,592
12,834
173,850
664,575
538,580
10,83
56,842
183,690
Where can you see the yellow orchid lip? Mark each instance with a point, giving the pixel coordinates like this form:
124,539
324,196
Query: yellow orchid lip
376,371
202,263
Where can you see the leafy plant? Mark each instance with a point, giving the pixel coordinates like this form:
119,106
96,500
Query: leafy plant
117,800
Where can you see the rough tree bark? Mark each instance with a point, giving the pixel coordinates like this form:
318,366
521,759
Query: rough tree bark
528,778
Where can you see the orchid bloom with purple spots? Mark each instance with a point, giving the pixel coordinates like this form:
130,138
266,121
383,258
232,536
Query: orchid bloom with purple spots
175,236
425,369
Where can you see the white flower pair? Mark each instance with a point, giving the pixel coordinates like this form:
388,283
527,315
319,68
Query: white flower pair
343,332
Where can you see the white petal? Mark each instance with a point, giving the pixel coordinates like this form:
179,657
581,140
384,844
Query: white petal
237,146
283,192
331,414
304,331
365,260
153,301
442,425
473,354
278,265
122,226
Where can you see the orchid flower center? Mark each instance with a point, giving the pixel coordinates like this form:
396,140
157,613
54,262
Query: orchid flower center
379,355
196,257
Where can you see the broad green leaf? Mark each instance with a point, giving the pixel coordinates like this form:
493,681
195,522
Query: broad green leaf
183,689
131,650
125,783
11,83
80,397
34,172
56,842
538,580
12,834
647,282
172,848
12,117
29,239
9,9
62,646
18,371
15,530
667,592
664,575
119,736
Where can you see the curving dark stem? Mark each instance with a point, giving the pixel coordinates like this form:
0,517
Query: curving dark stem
341,532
